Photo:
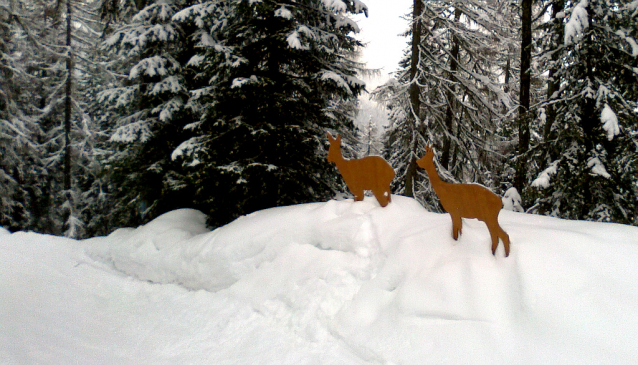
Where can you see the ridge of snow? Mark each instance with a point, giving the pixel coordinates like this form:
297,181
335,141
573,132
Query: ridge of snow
337,282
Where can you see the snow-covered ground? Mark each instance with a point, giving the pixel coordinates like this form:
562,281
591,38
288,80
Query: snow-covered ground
325,283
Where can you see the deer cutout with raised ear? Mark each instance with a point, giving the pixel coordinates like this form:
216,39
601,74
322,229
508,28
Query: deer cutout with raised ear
368,173
466,201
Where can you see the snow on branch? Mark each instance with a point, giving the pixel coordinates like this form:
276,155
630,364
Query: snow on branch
155,11
196,60
610,122
624,35
241,81
122,96
151,66
335,5
198,93
167,109
333,76
360,7
597,167
578,22
294,42
344,21
131,132
283,13
542,181
170,84
267,167
187,149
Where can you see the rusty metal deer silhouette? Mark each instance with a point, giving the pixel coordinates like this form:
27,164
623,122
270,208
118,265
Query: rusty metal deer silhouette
466,201
368,173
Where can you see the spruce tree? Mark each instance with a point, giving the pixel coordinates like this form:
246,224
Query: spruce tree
21,165
277,75
462,101
44,114
587,163
147,109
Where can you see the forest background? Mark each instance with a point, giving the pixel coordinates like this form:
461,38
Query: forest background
113,112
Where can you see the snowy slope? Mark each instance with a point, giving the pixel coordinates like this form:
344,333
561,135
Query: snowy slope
324,283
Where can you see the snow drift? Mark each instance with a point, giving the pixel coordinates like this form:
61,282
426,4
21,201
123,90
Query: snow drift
324,283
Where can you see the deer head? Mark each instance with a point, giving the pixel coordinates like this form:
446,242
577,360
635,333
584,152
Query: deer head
427,159
334,153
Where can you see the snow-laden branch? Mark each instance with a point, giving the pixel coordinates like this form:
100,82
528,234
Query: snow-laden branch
578,22
610,122
542,181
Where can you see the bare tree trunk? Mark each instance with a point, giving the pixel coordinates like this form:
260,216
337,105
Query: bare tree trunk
68,197
67,101
553,84
415,100
449,113
523,118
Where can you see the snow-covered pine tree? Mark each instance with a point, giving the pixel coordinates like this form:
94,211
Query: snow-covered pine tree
276,73
587,165
46,110
400,138
462,98
21,166
147,108
368,136
465,97
370,119
401,95
74,145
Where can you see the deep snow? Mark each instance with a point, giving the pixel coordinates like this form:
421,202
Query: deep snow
324,283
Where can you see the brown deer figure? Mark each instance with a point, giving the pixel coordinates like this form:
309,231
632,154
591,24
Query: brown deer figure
466,201
368,173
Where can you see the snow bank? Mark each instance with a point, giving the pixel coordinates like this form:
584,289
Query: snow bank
165,250
329,283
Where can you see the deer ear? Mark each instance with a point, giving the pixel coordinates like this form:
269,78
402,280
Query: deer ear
330,137
338,138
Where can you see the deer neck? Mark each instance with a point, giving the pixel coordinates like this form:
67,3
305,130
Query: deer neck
338,160
435,180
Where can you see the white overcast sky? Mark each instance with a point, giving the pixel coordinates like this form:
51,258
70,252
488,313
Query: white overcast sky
381,32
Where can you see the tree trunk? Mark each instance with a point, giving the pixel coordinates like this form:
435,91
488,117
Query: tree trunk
553,83
415,100
523,118
449,113
68,197
67,101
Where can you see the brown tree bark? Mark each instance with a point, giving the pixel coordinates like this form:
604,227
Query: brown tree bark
449,112
67,101
523,118
415,100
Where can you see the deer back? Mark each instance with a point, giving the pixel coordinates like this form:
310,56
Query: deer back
469,200
367,173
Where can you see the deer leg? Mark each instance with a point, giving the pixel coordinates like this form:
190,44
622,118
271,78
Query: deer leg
457,225
494,235
505,238
381,198
358,194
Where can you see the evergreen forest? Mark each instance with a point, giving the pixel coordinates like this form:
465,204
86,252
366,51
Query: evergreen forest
113,112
